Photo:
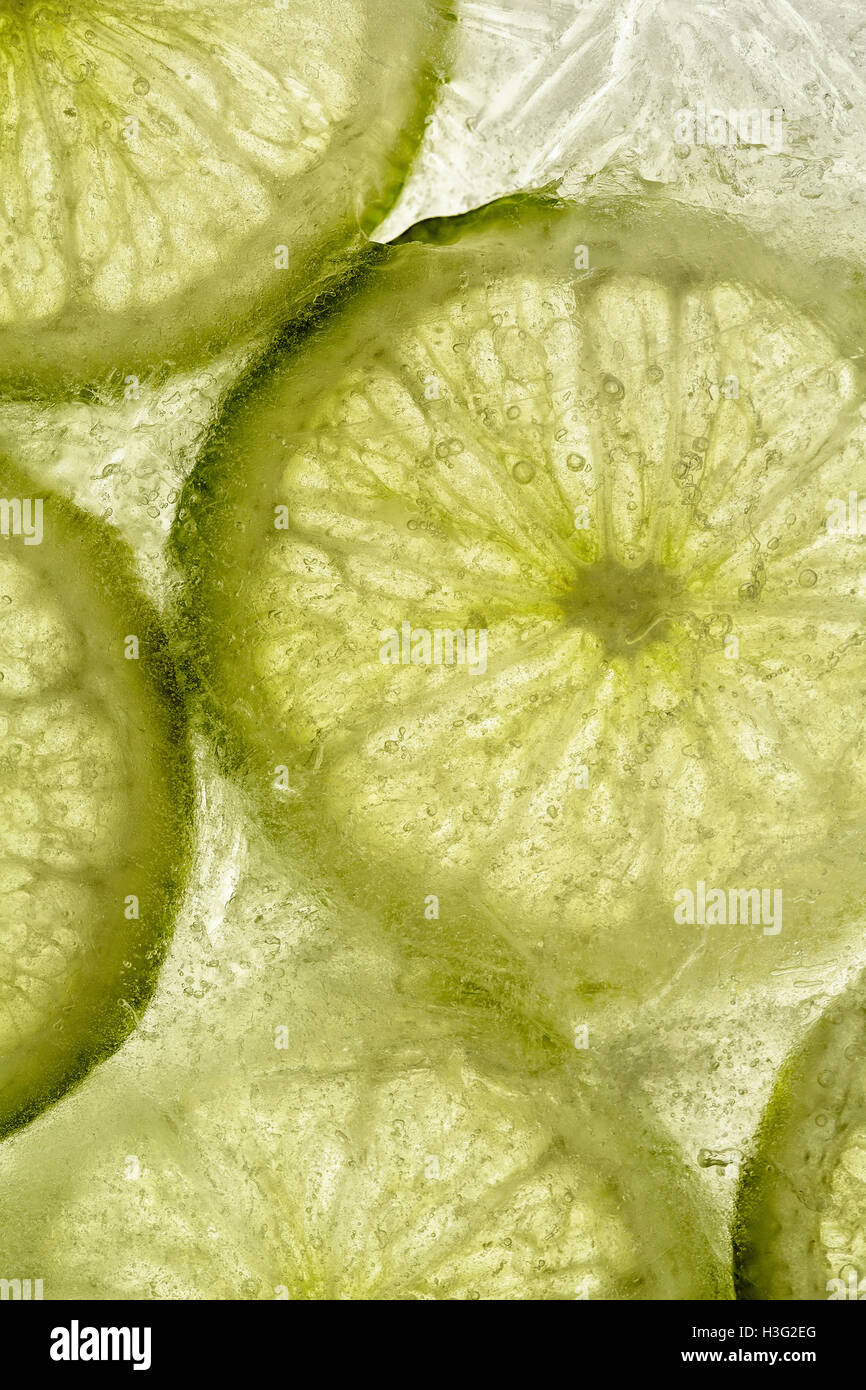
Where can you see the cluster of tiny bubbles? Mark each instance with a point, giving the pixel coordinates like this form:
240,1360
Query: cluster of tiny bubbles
613,388
523,471
716,627
686,463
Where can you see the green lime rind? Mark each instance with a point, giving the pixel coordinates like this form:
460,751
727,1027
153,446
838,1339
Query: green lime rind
490,340
785,1193
323,215
99,789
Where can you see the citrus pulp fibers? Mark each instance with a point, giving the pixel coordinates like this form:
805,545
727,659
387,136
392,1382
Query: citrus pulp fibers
93,794
175,171
522,592
802,1201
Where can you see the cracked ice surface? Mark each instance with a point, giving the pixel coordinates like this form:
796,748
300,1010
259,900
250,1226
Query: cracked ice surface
586,95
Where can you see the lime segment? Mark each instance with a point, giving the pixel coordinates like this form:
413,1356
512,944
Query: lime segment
520,588
93,798
173,171
410,1177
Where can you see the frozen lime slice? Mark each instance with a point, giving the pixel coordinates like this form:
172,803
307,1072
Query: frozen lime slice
93,795
801,1228
522,593
173,170
420,1174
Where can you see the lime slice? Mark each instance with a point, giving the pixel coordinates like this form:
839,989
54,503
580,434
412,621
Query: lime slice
801,1228
421,1176
172,171
94,797
518,596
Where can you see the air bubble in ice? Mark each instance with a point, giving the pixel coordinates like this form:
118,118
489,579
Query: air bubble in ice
523,472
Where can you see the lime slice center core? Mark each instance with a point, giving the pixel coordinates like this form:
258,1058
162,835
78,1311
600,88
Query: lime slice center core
626,609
